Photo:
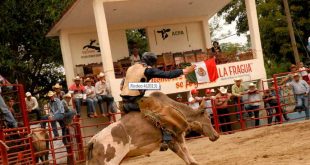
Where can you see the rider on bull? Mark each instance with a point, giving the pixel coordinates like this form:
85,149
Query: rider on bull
144,72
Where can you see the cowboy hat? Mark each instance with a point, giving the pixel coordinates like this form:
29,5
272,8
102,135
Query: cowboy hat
28,94
296,74
223,90
50,94
252,85
77,78
88,80
212,91
57,86
238,79
67,95
101,74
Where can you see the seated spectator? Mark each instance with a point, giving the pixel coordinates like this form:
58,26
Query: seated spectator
11,106
78,91
103,92
303,72
179,98
301,92
69,112
237,92
221,102
58,91
91,98
135,57
7,114
194,99
32,105
216,48
254,99
56,113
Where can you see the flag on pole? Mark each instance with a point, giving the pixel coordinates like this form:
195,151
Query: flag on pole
205,71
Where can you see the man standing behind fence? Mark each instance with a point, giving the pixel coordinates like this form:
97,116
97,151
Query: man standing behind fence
32,105
301,91
237,92
254,99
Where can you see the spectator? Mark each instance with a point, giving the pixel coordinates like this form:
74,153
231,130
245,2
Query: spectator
303,72
216,48
289,77
32,105
221,103
254,99
179,98
8,117
209,97
91,98
58,91
237,93
11,106
301,91
103,92
78,91
69,112
194,100
56,114
135,57
271,103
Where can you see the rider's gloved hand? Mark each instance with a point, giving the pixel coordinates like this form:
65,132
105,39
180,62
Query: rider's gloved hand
189,69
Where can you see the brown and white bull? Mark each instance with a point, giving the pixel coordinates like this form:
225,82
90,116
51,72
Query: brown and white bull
40,144
133,135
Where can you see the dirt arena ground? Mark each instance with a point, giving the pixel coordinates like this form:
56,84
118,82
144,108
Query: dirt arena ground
287,144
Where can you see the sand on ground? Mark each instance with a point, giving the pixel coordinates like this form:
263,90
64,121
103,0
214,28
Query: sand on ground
287,144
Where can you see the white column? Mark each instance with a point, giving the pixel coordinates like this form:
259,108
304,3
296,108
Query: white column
67,56
206,32
103,36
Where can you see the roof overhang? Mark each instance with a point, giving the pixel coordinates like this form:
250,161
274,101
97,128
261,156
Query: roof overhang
80,14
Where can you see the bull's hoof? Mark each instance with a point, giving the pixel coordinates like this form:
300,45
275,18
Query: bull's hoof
164,147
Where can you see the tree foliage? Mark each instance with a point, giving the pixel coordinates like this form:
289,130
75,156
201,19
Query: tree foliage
26,54
273,26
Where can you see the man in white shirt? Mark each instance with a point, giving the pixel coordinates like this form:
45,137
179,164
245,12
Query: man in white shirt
194,99
32,105
102,89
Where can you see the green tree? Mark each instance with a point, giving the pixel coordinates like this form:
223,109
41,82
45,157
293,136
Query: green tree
273,26
26,55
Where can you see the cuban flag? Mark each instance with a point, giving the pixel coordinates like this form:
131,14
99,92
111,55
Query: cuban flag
205,72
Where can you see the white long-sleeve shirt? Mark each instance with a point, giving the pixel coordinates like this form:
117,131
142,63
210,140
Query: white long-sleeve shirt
32,103
102,88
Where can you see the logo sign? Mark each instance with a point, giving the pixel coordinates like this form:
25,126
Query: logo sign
93,45
144,86
165,33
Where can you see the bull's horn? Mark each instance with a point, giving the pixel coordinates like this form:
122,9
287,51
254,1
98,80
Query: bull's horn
6,147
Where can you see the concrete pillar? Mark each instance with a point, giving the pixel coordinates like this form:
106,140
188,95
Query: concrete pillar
104,41
206,32
254,32
67,56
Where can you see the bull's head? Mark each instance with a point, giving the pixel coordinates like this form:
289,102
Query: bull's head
202,124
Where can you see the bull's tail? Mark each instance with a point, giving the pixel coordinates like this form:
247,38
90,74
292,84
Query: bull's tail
89,151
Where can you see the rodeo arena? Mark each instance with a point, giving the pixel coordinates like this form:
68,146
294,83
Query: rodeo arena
183,102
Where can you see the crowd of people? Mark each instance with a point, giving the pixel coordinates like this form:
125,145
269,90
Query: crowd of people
248,101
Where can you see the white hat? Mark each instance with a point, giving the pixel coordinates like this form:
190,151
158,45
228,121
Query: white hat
212,90
252,85
223,90
77,78
28,94
238,79
101,74
87,80
57,86
50,94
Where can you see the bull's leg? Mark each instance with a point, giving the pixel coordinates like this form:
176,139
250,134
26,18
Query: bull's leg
186,152
176,148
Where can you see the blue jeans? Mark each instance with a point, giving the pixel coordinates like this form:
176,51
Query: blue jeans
69,116
256,113
60,119
91,105
9,118
78,104
110,103
303,103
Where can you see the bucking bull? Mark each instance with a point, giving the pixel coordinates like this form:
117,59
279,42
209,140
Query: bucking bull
134,135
